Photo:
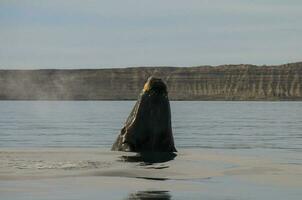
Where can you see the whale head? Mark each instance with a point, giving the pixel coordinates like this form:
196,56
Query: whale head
148,127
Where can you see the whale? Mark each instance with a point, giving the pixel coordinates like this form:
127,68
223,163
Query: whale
148,127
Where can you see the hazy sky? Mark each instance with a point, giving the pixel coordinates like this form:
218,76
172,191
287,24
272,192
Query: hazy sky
96,33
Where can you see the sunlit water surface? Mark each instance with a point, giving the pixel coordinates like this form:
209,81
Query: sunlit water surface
271,129
221,125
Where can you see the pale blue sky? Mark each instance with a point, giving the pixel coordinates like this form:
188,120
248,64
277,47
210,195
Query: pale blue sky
127,33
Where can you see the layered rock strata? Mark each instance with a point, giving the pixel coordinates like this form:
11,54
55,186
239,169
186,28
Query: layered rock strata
225,82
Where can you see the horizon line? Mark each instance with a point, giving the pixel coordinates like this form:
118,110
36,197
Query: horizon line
147,66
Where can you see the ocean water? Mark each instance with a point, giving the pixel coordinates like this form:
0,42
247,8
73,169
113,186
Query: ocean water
61,150
196,124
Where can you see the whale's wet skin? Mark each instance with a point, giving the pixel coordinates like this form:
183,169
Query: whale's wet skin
148,127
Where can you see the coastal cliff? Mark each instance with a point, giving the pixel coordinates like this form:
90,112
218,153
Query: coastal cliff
225,82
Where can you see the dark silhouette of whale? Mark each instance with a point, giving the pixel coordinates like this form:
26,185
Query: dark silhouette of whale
148,127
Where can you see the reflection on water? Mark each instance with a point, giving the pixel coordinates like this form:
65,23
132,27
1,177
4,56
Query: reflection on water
149,158
142,195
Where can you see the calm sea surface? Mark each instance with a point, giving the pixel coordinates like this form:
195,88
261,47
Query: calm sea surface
244,150
215,125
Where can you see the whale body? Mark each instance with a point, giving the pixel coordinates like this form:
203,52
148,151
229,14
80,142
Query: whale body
148,127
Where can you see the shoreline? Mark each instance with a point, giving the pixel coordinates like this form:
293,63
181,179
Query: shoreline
225,82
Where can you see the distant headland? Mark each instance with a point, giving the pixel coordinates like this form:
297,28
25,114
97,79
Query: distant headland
224,82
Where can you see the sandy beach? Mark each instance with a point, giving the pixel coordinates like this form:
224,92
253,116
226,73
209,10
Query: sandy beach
70,173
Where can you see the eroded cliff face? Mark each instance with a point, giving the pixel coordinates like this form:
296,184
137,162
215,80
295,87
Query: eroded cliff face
227,82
